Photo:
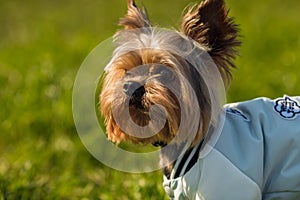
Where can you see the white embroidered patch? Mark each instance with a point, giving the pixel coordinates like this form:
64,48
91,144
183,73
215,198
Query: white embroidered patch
287,108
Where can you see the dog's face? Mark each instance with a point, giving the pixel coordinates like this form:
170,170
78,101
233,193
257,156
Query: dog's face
141,79
157,79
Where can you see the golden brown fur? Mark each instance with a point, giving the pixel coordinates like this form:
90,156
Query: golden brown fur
210,25
139,44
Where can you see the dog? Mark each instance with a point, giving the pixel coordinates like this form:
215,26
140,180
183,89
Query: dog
166,88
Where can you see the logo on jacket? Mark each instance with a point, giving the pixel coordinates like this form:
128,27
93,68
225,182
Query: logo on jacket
287,107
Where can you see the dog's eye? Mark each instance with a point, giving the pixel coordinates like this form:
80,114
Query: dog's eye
166,73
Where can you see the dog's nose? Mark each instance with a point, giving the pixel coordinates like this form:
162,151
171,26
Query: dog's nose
131,88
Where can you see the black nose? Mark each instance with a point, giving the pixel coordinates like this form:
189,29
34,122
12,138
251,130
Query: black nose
132,88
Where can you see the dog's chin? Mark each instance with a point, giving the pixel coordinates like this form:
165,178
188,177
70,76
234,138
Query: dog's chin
139,111
161,139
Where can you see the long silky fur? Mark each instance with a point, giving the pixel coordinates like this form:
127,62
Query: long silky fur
213,32
135,18
210,25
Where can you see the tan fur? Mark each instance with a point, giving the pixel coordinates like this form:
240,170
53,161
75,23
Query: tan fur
213,32
135,18
153,97
210,25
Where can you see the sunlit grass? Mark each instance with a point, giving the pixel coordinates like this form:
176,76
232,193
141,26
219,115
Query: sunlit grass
43,43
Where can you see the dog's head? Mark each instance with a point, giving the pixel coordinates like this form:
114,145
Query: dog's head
160,85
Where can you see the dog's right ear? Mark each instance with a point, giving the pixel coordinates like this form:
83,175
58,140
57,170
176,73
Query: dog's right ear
210,25
135,18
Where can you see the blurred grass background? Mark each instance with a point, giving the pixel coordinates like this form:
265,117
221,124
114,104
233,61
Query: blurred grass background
43,43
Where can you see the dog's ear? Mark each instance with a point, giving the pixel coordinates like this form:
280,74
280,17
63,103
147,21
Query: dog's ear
135,18
210,25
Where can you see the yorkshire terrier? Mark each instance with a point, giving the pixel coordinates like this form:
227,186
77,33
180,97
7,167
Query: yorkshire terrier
166,88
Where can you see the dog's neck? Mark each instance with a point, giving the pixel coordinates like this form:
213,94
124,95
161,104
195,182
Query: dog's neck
189,155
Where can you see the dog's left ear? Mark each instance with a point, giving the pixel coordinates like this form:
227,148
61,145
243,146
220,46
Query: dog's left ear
210,25
135,18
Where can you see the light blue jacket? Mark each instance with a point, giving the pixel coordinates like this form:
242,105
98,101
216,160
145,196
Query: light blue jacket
256,156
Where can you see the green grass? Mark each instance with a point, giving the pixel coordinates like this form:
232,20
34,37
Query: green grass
43,43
